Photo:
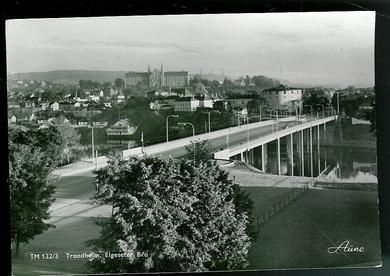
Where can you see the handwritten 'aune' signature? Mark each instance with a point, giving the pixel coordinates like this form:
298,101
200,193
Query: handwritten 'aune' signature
346,248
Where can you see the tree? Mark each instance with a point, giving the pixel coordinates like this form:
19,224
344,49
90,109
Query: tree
371,116
227,83
253,106
220,106
70,140
241,199
199,151
31,191
119,83
247,80
182,215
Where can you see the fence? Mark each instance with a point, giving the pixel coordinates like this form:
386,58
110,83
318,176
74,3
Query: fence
275,207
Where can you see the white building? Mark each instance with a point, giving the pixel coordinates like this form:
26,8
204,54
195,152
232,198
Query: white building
283,97
121,128
186,104
55,106
13,119
206,101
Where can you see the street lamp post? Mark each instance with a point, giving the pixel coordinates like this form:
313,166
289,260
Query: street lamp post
311,109
261,112
193,133
209,116
93,144
323,109
338,103
166,122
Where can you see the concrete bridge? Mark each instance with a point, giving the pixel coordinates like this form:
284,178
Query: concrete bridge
244,151
226,143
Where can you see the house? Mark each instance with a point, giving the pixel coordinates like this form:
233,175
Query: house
121,98
44,106
13,104
121,128
239,82
13,119
99,124
186,104
94,98
283,97
82,124
33,117
205,101
155,105
67,106
55,106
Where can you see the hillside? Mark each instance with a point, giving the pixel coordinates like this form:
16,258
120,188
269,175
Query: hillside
69,76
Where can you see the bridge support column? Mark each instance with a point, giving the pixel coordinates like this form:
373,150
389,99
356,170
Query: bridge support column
263,157
318,150
279,167
325,131
311,151
242,156
292,153
302,151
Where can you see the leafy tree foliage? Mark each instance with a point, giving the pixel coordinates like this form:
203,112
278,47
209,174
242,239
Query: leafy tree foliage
119,83
263,82
31,187
254,105
89,84
199,151
182,215
371,116
70,140
316,100
220,106
349,104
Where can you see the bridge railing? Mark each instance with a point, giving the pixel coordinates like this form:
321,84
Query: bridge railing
161,147
278,205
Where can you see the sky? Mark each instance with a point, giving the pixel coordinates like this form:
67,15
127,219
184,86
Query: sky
327,48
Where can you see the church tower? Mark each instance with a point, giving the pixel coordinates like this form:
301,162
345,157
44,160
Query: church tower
162,80
150,76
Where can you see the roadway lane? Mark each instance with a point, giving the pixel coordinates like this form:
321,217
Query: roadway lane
80,186
219,143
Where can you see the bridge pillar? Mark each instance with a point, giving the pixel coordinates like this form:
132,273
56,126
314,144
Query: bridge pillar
302,153
318,150
311,151
242,157
292,153
325,131
279,167
263,157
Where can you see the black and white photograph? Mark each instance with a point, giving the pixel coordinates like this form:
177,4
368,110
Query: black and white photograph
192,143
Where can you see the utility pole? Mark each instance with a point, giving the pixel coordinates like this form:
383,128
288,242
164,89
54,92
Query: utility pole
93,144
167,126
193,133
